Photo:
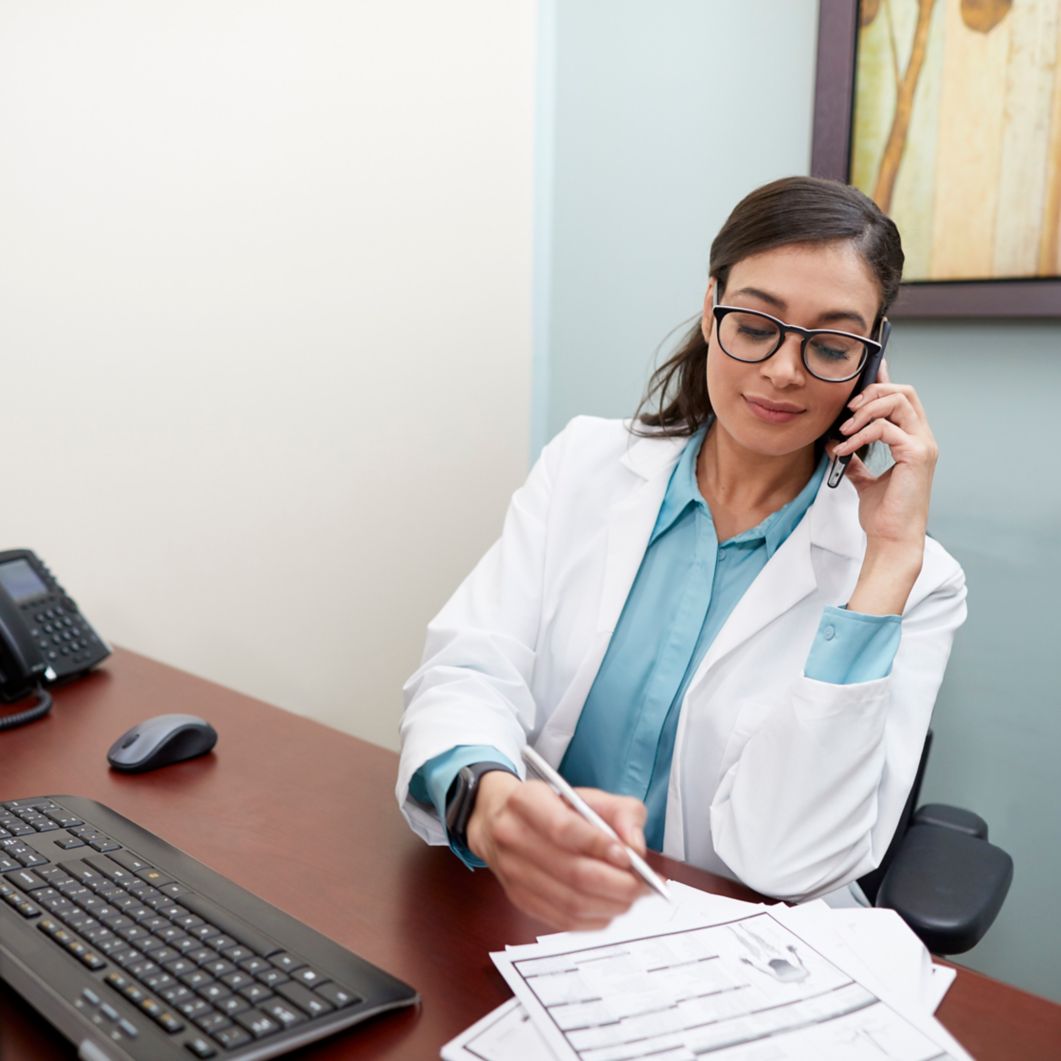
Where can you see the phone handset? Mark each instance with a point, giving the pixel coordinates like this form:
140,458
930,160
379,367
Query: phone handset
866,377
23,668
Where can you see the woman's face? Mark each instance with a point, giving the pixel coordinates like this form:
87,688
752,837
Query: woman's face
776,407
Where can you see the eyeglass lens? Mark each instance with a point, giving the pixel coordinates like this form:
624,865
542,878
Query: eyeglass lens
749,337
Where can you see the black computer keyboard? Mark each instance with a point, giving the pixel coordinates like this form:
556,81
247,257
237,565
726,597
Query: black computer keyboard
132,949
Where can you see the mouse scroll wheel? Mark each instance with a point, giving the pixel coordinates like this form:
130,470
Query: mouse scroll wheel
130,740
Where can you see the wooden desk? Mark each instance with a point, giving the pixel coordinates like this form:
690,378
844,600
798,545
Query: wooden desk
305,817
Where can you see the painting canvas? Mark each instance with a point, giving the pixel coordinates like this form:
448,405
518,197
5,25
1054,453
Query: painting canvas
949,115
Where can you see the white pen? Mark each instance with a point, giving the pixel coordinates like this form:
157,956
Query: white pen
562,788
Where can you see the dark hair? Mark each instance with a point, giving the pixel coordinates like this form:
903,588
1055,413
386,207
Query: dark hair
791,210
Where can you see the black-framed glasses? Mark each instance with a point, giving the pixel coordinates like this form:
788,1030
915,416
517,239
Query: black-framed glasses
749,335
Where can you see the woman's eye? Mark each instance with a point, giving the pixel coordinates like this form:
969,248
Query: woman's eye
832,353
757,334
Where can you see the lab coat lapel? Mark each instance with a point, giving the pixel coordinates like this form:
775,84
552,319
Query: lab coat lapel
631,521
629,524
786,579
790,574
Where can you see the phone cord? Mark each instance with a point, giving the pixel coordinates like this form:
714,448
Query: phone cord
39,710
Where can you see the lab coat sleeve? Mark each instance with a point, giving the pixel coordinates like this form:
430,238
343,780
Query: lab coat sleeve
473,683
814,796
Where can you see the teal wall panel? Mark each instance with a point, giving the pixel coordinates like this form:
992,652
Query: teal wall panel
660,117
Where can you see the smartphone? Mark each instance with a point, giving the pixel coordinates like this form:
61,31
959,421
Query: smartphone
866,377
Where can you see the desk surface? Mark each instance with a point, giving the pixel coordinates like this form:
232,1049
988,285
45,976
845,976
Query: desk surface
284,799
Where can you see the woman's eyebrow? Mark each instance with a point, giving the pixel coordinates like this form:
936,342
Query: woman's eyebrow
835,316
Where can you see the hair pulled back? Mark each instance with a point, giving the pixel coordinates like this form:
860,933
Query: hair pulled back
786,211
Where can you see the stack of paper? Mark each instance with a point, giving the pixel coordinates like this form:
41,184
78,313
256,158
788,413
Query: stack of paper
706,975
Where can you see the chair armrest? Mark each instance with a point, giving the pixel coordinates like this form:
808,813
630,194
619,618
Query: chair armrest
947,886
965,821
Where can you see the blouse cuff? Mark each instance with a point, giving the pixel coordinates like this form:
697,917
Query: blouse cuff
431,783
851,647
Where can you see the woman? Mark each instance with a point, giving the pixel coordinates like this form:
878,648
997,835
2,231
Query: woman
737,661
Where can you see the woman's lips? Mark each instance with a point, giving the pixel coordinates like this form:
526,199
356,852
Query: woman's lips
772,412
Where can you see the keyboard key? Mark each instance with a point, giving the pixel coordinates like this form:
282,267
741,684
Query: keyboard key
232,1005
288,963
272,977
169,1022
129,1028
196,980
306,1000
176,993
219,967
259,1024
309,977
213,1023
232,1037
236,980
255,993
157,981
193,1008
200,1047
282,1012
70,843
214,992
26,879
127,860
337,996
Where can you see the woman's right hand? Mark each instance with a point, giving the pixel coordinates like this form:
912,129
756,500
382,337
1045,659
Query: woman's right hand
551,862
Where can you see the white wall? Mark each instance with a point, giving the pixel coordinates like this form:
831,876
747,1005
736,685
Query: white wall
265,275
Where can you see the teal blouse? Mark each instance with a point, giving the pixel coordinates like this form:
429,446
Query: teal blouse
686,587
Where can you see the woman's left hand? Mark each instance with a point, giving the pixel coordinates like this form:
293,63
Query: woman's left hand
893,506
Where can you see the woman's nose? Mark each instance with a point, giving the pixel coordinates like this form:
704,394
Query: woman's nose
785,368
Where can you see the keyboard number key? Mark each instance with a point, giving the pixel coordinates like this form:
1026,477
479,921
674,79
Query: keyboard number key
232,1037
338,996
259,1024
283,1012
305,999
309,977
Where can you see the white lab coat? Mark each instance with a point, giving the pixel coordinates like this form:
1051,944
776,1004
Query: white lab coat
791,785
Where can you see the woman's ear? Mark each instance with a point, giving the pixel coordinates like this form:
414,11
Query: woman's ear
707,318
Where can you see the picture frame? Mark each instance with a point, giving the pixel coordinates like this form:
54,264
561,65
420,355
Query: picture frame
831,156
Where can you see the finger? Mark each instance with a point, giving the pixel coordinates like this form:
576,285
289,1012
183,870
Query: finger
570,888
877,390
883,375
895,407
543,812
904,446
625,814
559,911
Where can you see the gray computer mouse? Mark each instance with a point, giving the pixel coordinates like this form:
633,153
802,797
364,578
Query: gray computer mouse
160,741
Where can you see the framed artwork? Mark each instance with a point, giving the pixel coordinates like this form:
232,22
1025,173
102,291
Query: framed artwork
948,114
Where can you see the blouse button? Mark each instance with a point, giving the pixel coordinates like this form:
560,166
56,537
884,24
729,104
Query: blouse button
829,633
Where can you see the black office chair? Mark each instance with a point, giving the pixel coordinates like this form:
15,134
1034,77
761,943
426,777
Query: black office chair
940,874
